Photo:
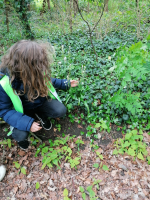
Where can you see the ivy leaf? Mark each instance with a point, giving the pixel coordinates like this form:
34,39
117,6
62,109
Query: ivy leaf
115,152
91,192
9,143
96,165
37,185
131,152
140,156
23,170
84,196
65,193
105,167
55,162
101,157
126,144
17,165
81,189
148,158
128,136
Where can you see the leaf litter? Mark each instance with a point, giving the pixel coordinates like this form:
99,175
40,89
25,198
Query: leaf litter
120,176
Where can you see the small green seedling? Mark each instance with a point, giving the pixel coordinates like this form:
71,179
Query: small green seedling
22,169
37,185
65,194
132,145
78,142
58,127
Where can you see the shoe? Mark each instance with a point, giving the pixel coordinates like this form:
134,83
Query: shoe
23,144
2,172
46,124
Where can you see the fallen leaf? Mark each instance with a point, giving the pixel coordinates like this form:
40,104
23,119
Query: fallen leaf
79,126
55,129
22,153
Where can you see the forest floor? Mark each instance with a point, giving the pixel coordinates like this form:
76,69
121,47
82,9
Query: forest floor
125,178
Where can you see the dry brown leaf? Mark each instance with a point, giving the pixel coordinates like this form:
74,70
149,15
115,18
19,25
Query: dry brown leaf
23,185
55,129
72,145
79,126
100,150
146,137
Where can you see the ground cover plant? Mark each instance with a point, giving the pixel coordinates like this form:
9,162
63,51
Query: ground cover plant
113,91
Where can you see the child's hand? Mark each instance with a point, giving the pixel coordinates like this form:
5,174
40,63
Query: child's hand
35,127
74,83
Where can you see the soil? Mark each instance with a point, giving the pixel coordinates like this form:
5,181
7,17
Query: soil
66,127
120,176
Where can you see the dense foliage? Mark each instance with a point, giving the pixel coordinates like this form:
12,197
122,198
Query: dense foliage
114,89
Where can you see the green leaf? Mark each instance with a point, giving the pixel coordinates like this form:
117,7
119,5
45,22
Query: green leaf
9,143
55,162
37,185
45,150
131,152
148,158
126,144
96,165
140,156
115,152
128,136
17,165
3,142
91,192
23,170
84,196
97,125
105,167
96,182
81,189
101,157
65,192
86,105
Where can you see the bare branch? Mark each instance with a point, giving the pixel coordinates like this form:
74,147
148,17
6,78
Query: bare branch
90,31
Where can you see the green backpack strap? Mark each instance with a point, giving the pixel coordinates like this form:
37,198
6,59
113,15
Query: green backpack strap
4,82
52,92
9,91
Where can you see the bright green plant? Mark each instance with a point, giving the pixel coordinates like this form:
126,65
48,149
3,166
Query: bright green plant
34,141
37,185
132,144
22,169
132,64
65,194
78,142
57,150
102,125
90,190
58,127
6,142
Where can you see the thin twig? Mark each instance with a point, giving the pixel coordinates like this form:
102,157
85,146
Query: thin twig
90,31
36,137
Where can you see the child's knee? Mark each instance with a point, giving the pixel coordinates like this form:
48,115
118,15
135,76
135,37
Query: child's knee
61,111
19,135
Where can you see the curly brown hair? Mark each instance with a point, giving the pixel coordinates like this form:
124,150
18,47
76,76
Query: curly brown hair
29,61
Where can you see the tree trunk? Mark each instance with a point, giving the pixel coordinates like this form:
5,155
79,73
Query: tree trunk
136,3
106,5
88,6
6,12
70,15
48,2
138,19
29,7
23,16
43,10
75,9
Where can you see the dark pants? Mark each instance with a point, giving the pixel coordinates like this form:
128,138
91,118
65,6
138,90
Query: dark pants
50,108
